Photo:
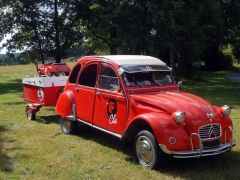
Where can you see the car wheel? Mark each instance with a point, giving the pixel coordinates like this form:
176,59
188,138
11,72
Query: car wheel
67,126
30,115
146,149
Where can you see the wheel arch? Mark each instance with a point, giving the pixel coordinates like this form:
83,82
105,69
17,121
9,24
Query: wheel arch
156,123
136,126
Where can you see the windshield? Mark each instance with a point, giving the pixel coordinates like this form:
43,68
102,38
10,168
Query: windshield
148,78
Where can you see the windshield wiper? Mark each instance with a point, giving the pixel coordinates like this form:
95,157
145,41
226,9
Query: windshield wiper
139,83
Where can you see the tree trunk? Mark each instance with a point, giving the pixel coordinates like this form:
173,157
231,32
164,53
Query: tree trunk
137,49
172,57
42,57
113,44
57,43
40,47
185,67
41,51
113,49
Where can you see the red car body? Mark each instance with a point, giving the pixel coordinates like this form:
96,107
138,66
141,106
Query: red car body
148,113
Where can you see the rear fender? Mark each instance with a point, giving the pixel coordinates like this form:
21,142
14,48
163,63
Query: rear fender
65,106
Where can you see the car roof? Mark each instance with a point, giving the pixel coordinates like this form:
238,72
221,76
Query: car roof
127,60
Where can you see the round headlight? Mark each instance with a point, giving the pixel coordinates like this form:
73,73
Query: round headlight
179,116
226,110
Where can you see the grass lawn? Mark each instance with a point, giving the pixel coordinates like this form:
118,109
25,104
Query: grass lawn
33,150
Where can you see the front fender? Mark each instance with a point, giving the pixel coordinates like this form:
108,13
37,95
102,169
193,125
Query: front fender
164,127
65,103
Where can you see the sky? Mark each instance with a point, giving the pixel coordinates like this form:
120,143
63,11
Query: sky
4,50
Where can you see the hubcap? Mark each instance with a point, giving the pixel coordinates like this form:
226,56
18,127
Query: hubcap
29,116
66,125
145,151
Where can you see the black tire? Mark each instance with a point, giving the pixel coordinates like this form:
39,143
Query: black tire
30,115
67,126
146,150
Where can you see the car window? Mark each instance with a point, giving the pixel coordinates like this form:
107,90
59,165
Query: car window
88,76
108,79
74,74
148,78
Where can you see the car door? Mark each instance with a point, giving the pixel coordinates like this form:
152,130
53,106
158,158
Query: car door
85,92
110,104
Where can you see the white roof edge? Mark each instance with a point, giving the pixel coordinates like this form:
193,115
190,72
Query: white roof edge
134,60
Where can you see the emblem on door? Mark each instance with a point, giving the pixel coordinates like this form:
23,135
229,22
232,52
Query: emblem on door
112,111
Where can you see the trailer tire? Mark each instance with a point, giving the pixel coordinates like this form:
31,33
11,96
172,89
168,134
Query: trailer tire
67,126
30,115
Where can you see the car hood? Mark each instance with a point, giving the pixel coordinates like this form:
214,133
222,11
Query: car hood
195,107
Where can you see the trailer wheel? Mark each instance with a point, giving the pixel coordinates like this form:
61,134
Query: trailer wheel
30,115
146,150
67,126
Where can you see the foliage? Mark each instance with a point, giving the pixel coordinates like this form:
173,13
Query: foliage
44,27
231,10
182,32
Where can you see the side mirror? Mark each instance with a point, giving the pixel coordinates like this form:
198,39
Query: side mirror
179,84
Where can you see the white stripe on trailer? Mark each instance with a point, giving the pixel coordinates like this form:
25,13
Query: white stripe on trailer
46,81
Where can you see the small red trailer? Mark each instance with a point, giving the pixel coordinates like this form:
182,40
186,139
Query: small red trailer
44,88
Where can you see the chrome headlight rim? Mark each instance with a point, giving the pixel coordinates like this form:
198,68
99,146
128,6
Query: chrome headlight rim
179,117
226,110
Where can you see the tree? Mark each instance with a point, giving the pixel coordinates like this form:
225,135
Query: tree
102,24
44,27
231,12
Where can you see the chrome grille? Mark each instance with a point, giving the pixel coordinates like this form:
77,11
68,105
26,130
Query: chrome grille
210,131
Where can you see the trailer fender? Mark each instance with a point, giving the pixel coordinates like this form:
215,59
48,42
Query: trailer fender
65,103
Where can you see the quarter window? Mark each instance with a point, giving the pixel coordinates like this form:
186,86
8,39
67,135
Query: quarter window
108,79
74,74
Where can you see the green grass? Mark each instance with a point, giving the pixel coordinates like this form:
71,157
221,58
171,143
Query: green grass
33,150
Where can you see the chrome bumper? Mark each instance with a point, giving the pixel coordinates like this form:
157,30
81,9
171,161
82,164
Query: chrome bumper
201,152
197,153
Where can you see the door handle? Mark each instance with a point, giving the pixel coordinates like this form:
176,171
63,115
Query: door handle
76,89
98,94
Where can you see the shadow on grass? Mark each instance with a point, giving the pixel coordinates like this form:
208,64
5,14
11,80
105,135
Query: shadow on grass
222,166
92,134
14,103
12,86
85,132
48,119
6,162
89,133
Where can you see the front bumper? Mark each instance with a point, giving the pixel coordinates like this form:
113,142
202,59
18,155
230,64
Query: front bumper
197,153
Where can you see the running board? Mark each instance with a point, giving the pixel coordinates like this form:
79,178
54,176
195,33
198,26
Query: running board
101,129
